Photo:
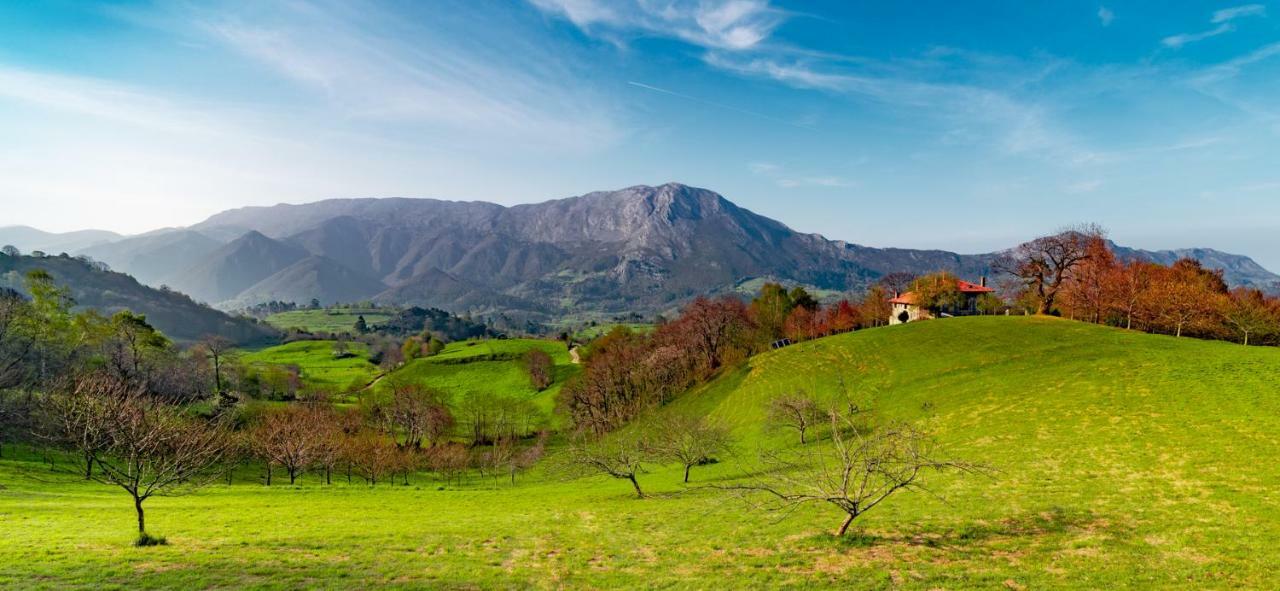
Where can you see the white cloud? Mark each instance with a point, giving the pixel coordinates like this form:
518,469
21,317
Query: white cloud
1229,14
1222,18
720,24
815,181
364,74
1087,186
1106,16
964,113
782,177
1177,41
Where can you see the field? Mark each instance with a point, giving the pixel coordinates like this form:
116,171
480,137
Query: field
491,366
338,320
1121,460
318,366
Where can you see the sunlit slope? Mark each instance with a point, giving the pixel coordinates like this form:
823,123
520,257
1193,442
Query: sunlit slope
1168,443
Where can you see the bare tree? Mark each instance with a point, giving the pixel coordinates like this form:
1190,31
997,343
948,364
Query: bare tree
290,438
372,455
151,448
420,414
796,411
1045,263
688,439
216,348
621,457
81,417
540,367
854,470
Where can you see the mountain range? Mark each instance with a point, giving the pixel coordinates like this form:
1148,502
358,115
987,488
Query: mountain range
642,248
173,313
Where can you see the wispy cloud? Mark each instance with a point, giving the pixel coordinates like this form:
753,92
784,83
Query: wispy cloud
1086,186
1234,66
721,24
1223,18
361,73
814,181
964,113
651,88
108,100
1106,16
787,180
1229,14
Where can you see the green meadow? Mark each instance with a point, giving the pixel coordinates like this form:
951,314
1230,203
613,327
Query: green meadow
318,366
1119,460
492,366
335,320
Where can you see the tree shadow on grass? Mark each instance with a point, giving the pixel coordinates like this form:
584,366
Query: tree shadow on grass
1054,520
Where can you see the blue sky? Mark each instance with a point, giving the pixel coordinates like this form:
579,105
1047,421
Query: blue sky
959,125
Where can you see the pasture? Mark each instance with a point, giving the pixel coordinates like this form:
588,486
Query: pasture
1120,459
338,320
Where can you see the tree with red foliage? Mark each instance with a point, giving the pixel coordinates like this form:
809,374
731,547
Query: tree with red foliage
800,325
709,330
1045,264
1185,296
1090,292
1251,313
875,307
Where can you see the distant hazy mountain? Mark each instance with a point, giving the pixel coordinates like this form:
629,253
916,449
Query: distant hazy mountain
157,256
637,249
27,239
173,313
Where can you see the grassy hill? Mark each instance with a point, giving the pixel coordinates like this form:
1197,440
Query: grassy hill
176,315
491,366
317,364
1124,460
335,321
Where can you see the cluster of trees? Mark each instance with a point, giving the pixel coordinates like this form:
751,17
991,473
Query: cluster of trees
796,315
628,372
442,324
1075,273
407,430
683,439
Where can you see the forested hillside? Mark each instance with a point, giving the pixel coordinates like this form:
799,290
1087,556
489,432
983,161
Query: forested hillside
174,314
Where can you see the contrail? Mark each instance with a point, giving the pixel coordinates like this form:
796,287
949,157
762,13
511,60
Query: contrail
717,105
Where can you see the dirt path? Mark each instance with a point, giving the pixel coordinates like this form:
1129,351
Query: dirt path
573,356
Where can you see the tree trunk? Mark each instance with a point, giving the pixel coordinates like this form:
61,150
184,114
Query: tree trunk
686,473
142,522
88,466
1246,339
844,527
802,441
328,475
293,476
268,474
639,493
1179,335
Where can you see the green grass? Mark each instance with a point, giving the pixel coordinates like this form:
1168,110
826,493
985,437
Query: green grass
590,332
1124,460
465,368
339,320
318,366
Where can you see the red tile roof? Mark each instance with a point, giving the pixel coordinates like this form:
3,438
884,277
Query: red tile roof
909,298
